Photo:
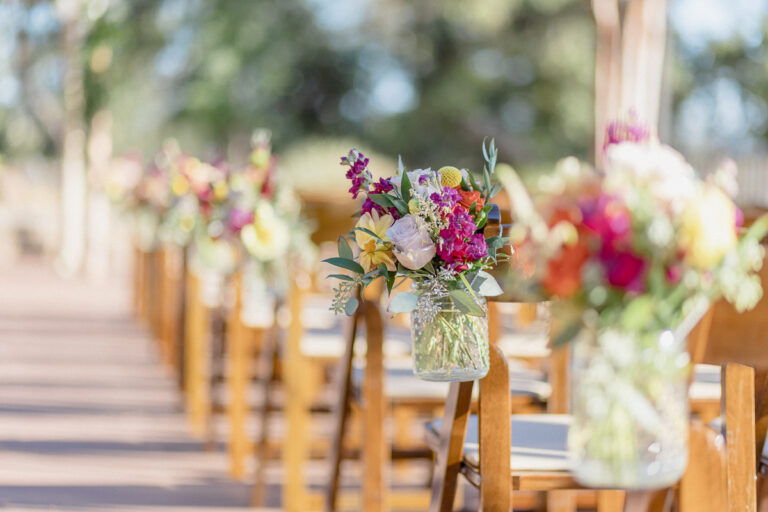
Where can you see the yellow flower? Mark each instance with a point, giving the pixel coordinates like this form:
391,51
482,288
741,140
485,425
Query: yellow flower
450,176
413,206
179,185
268,237
375,250
708,228
220,190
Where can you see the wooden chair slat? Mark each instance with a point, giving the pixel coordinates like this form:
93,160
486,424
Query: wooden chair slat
495,444
450,451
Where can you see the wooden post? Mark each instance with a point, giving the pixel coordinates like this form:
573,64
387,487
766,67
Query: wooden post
494,426
238,378
375,446
296,446
198,351
739,413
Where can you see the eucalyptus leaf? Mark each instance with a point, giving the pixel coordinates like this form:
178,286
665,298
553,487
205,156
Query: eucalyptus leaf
345,263
403,302
466,304
344,250
351,306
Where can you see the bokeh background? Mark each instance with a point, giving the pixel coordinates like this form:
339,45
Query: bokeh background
84,81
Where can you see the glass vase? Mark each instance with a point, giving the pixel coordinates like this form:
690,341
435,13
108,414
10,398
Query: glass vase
630,409
448,345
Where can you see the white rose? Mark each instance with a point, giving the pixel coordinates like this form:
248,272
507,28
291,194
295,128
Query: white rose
413,246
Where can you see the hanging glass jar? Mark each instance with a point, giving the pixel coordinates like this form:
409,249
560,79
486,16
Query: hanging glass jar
630,409
448,344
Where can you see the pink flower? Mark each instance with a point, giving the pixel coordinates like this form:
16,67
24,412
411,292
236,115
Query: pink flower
459,244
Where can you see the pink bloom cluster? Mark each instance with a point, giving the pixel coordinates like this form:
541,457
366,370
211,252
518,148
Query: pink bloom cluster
459,244
358,171
607,218
239,218
625,131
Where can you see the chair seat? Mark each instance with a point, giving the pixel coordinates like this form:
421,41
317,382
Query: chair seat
706,383
402,385
539,442
322,344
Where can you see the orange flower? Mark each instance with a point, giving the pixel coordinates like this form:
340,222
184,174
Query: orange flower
563,277
468,198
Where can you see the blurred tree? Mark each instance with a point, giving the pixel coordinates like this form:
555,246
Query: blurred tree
426,79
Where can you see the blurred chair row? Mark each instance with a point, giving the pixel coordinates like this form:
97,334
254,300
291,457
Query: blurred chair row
295,383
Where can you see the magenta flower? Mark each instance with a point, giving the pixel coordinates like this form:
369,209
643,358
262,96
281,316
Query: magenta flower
447,198
459,245
358,172
623,268
607,217
630,130
239,218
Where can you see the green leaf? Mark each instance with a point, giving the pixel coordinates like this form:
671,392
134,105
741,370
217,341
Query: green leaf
405,187
401,206
466,304
638,313
345,263
403,302
465,185
566,334
369,232
382,200
485,284
342,277
344,250
390,282
351,306
400,166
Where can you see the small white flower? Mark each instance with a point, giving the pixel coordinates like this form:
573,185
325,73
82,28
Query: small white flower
415,177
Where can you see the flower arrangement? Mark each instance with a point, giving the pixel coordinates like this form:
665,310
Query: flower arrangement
642,242
225,217
426,226
634,253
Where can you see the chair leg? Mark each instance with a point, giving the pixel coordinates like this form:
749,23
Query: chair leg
267,363
375,451
451,450
610,501
739,412
638,501
341,413
702,488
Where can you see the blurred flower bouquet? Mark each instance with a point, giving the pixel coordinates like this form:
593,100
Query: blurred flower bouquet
228,220
426,226
636,253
